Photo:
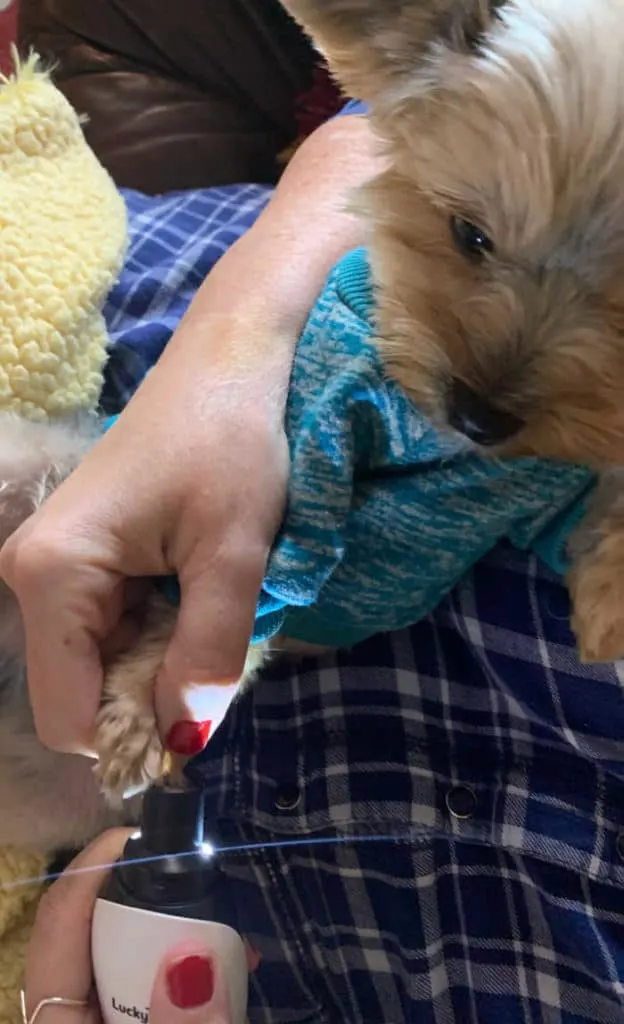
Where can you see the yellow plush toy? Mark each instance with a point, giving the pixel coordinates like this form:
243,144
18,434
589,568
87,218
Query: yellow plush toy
62,243
19,895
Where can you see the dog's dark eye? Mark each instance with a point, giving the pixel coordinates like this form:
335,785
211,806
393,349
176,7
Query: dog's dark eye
469,239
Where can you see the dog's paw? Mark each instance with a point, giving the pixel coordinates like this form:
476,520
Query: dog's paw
130,754
129,751
597,591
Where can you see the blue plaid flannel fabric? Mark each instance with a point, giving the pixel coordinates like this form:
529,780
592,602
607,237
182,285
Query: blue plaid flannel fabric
430,827
174,241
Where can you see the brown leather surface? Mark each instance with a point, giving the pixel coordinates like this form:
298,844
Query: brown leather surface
179,93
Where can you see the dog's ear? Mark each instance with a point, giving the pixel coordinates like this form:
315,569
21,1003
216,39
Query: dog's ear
378,48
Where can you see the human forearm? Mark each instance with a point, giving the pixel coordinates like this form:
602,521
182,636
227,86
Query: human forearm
286,256
254,304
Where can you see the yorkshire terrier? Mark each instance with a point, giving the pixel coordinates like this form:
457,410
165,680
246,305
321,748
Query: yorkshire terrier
496,237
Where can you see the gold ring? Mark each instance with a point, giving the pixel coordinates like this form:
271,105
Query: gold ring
51,1001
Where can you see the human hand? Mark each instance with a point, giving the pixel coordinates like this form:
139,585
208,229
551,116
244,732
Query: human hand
190,480
193,477
190,985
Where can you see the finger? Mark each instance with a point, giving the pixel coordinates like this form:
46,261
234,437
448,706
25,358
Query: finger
59,955
67,612
207,653
64,685
190,988
52,1014
65,670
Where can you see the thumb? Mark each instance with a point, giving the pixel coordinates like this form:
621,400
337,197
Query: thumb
206,656
59,953
190,988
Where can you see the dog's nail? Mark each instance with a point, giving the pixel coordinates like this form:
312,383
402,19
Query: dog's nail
190,982
188,738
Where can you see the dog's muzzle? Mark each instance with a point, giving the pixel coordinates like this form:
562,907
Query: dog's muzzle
477,419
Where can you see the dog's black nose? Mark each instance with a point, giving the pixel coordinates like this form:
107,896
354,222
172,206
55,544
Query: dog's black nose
477,419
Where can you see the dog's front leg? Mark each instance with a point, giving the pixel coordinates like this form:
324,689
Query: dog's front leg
596,579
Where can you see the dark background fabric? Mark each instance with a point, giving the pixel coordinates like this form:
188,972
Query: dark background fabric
182,94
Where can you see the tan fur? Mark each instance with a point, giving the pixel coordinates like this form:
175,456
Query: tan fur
371,44
524,137
596,580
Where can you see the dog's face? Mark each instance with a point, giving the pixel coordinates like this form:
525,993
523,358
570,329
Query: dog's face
498,226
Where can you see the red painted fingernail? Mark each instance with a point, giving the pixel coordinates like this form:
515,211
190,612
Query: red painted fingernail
190,982
188,738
